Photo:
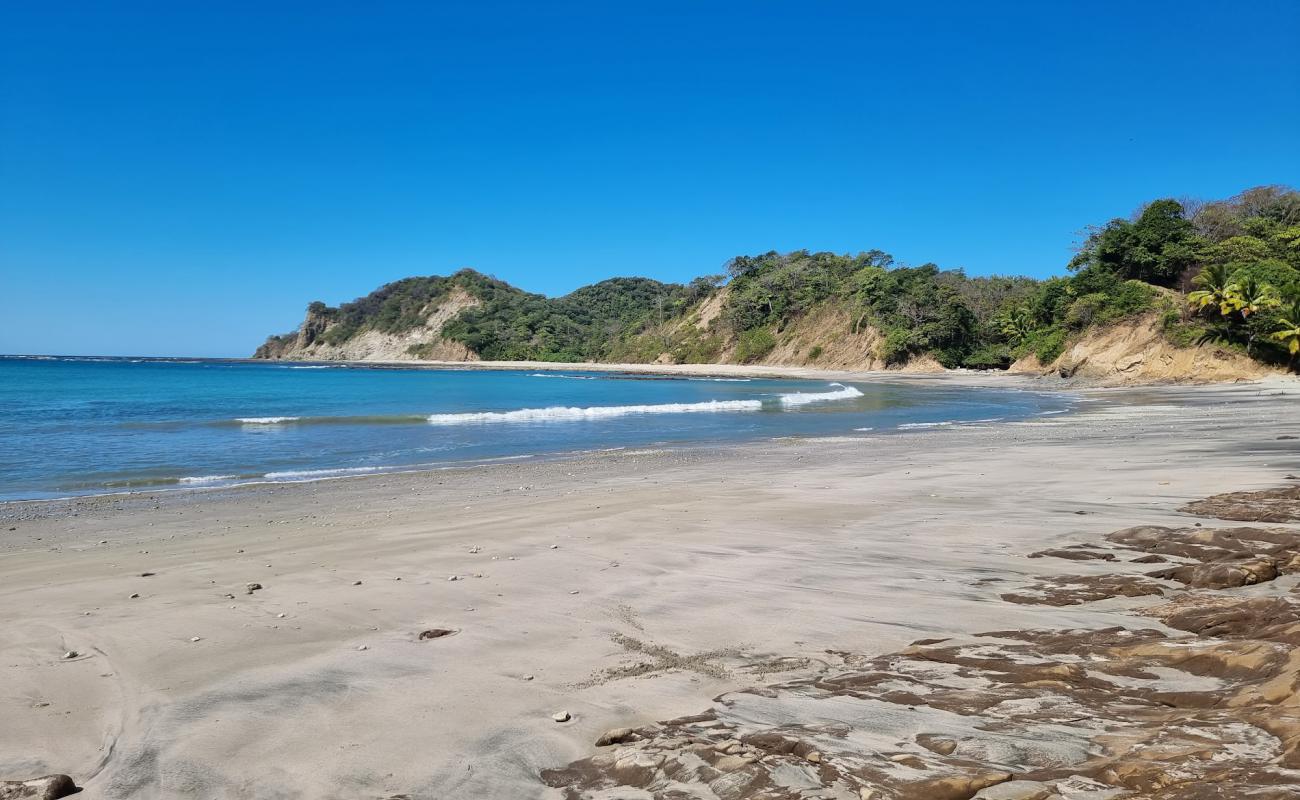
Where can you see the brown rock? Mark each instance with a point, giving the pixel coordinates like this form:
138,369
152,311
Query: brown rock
614,736
50,787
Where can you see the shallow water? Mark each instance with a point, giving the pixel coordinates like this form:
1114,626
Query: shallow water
73,426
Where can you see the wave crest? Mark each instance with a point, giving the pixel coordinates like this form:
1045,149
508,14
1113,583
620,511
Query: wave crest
805,398
566,414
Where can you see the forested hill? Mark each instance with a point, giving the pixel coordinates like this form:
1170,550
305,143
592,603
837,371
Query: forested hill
1220,277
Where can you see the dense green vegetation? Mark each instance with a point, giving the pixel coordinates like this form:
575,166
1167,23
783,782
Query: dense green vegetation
1224,271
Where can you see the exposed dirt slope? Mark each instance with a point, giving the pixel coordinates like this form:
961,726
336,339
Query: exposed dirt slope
310,342
1136,352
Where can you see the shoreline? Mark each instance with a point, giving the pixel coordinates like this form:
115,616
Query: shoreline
620,589
190,484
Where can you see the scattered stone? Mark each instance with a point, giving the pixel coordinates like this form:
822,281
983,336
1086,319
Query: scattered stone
281,615
436,633
249,588
363,647
561,716
50,787
71,654
356,583
147,574
134,595
453,577
528,677
195,639
555,547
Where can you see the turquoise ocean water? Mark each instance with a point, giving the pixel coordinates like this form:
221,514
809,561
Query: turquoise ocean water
71,426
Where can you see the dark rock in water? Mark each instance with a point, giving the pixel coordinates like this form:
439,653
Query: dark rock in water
51,787
436,633
1151,559
1075,554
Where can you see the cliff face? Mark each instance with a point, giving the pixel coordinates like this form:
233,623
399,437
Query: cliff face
313,342
1136,352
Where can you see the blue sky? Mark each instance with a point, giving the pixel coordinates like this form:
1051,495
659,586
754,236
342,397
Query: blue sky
182,178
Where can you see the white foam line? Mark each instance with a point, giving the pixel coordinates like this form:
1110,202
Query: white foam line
202,479
266,420
804,398
565,414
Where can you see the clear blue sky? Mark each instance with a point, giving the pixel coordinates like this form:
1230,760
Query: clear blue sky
182,178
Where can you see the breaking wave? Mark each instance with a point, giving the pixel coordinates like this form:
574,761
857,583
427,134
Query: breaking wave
265,420
805,398
567,414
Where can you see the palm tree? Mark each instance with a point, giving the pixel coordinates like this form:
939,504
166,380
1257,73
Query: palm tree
1288,332
1017,323
1215,282
1249,295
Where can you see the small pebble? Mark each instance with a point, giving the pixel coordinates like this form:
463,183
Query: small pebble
71,654
194,639
134,595
561,716
362,647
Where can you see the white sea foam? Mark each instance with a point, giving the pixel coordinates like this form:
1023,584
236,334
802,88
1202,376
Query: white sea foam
907,426
564,414
722,380
266,420
198,480
570,377
321,473
805,398
864,429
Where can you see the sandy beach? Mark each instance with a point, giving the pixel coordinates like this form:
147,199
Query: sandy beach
618,589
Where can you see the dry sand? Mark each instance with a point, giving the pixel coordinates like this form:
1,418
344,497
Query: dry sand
622,588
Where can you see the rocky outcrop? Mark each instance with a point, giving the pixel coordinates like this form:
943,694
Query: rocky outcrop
311,342
1130,712
1136,352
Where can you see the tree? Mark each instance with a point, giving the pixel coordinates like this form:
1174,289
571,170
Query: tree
1288,332
1215,282
1157,248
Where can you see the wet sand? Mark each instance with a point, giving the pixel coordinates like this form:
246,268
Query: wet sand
622,589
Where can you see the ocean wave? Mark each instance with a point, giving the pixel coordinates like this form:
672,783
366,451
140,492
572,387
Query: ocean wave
909,426
265,420
805,398
199,480
565,414
722,380
299,474
557,375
